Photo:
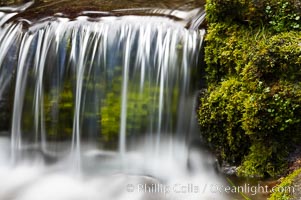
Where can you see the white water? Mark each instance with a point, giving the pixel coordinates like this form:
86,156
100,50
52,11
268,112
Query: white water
167,67
103,179
130,72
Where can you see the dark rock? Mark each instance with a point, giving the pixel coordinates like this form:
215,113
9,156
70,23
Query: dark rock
4,115
295,160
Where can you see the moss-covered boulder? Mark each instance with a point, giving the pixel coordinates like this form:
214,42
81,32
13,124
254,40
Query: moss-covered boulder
220,117
251,112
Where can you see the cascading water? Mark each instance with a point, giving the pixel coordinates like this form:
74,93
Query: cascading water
100,106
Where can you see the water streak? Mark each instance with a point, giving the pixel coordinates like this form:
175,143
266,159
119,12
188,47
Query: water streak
113,95
76,49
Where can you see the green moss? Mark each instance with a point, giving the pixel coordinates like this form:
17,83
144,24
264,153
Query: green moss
273,110
271,118
283,15
140,105
252,108
278,15
250,124
251,53
227,50
281,192
278,57
220,116
263,160
225,10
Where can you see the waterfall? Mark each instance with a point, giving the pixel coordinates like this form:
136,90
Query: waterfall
145,66
101,96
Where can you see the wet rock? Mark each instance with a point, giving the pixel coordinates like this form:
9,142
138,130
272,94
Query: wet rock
228,169
297,186
295,160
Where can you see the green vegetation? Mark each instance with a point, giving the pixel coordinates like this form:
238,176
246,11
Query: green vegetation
284,190
283,15
142,107
279,15
251,110
59,112
139,108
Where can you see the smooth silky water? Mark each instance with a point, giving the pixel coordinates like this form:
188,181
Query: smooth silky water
102,107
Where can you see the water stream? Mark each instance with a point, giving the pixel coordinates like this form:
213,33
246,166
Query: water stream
102,107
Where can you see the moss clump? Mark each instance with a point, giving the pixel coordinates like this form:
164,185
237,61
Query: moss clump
252,107
279,15
284,190
219,116
252,53
251,124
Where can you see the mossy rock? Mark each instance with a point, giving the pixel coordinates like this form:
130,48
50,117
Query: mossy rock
279,15
256,73
250,124
287,189
252,53
220,113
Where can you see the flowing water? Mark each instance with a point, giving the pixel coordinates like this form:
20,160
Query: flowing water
102,107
